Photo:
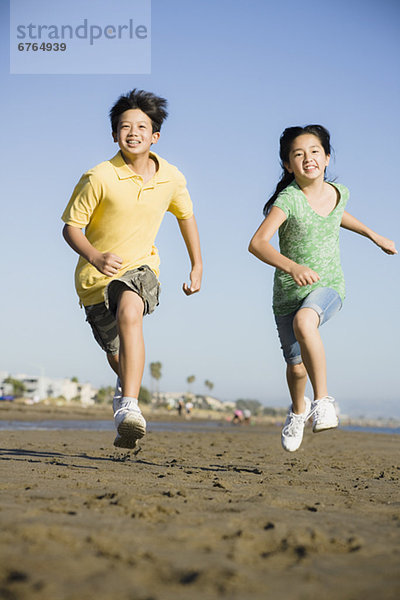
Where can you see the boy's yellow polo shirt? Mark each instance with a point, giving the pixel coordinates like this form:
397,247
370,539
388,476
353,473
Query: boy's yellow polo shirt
122,215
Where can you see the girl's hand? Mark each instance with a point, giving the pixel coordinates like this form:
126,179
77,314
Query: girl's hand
303,275
384,244
109,264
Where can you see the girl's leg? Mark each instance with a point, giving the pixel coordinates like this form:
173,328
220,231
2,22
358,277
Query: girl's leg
296,374
296,377
305,326
132,352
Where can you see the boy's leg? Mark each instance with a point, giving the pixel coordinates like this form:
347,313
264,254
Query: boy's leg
105,324
132,352
128,418
129,297
305,325
113,361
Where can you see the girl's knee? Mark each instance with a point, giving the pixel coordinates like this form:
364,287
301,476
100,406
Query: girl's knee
297,371
305,323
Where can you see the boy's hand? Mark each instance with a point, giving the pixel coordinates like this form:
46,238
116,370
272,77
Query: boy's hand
109,264
386,245
195,282
303,275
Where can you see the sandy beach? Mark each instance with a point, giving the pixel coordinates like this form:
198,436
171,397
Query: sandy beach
224,514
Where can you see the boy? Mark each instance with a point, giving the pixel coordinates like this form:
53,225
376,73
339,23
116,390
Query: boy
121,203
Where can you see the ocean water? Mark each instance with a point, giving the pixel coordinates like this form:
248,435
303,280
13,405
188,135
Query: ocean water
97,425
162,426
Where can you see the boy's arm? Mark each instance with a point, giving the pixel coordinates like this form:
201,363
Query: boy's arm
191,238
109,264
352,224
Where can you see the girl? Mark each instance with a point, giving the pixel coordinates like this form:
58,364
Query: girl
308,282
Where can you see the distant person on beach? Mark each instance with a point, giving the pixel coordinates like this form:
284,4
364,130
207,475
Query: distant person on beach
246,416
120,204
181,406
189,408
237,417
309,286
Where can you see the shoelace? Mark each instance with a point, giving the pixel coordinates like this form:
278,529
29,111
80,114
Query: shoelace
295,424
321,407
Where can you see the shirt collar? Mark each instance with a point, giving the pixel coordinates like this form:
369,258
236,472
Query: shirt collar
124,172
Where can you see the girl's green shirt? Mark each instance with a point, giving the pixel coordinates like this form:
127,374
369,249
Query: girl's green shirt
308,239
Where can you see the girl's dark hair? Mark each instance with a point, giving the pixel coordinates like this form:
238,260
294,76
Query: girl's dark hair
285,144
153,106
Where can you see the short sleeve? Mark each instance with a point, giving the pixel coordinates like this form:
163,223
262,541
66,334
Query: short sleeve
284,202
344,193
83,202
181,205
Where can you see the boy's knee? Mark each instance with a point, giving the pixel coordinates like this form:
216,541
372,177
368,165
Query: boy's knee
130,309
305,322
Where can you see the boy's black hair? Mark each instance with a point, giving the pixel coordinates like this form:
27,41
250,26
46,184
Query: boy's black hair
285,144
153,106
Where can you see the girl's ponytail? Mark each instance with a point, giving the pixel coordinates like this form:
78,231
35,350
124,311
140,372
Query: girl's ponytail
285,180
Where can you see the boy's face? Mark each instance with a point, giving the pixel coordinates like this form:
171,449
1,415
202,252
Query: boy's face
134,134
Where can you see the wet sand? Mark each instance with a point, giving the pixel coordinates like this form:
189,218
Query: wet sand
220,515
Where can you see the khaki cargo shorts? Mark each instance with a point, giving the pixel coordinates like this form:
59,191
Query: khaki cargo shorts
102,317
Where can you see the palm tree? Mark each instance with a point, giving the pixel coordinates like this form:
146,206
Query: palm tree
17,386
190,380
209,384
155,372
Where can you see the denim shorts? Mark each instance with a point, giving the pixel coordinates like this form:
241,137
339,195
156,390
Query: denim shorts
102,317
325,301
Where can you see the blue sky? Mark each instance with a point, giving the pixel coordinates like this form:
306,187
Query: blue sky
235,75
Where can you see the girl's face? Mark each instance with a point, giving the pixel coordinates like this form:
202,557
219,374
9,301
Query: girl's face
307,158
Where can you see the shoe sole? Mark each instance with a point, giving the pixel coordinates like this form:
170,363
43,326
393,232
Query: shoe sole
129,444
130,430
290,449
324,428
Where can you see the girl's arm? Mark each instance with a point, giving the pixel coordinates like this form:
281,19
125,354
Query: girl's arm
191,238
352,224
261,248
109,264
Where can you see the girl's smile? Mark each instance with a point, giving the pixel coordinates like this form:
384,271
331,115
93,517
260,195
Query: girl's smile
307,158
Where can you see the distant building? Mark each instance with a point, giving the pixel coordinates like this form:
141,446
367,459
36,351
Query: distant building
38,387
171,399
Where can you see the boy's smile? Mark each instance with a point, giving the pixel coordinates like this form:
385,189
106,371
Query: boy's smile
135,134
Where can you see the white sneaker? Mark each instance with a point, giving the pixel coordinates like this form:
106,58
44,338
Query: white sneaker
118,391
129,422
324,414
293,429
